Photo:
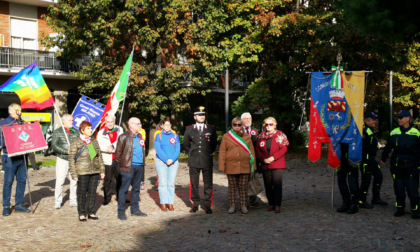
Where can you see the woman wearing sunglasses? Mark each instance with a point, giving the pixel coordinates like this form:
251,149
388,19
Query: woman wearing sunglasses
271,150
236,159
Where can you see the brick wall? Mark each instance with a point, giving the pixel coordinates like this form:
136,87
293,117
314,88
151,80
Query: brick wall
42,25
4,23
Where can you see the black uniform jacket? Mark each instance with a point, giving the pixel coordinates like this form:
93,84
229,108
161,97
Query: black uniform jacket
200,146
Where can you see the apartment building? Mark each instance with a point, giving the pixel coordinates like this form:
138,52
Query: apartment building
21,26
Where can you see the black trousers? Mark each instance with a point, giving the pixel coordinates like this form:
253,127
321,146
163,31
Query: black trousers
86,193
111,174
369,170
348,179
208,186
273,183
406,179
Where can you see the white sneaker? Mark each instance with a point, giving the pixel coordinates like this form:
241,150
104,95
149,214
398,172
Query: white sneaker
73,204
57,206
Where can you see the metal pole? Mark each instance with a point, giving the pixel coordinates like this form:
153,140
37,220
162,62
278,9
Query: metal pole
390,100
227,98
332,191
27,180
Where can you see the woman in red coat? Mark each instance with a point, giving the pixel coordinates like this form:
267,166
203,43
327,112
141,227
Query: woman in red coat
271,150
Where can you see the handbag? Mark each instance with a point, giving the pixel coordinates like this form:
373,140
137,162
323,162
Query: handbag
254,185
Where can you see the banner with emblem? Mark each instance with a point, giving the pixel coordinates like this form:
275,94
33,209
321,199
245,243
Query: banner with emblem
336,115
89,110
24,139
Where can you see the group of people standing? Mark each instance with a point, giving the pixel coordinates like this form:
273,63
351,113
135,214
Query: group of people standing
119,156
404,143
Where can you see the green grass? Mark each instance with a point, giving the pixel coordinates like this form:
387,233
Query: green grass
50,162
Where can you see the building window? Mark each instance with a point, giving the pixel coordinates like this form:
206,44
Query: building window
24,33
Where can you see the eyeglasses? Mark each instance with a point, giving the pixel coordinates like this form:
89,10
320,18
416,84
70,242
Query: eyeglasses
269,124
236,125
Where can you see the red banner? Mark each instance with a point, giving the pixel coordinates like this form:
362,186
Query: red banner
23,139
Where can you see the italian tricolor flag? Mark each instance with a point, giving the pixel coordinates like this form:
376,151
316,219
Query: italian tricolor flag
118,93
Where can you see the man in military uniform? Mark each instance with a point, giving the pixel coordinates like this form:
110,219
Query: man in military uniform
253,132
200,141
404,142
369,167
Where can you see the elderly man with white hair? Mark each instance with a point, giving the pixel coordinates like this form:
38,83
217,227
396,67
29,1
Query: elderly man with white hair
130,154
108,138
253,133
61,147
13,166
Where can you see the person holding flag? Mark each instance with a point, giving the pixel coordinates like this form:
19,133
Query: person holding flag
271,150
237,160
107,139
13,166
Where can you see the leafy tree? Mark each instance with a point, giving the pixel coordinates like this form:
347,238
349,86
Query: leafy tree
396,20
296,42
112,27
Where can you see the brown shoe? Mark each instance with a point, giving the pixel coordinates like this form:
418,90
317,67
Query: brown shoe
163,208
170,207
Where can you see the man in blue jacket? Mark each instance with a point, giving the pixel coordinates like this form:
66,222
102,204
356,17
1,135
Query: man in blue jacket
13,166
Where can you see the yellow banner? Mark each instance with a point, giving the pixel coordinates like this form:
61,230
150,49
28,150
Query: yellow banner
32,117
354,88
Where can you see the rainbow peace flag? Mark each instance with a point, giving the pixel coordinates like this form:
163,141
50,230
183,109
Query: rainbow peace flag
31,88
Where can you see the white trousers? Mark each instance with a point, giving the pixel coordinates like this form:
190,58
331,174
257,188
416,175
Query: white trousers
61,171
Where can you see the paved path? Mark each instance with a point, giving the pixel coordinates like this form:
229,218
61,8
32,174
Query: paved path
305,223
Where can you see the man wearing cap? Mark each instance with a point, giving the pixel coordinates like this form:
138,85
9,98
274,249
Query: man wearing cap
200,141
405,161
369,167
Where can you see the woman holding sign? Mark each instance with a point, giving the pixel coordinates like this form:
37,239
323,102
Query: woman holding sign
86,165
236,159
271,150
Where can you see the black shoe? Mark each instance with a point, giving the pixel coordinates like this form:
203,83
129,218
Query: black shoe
209,211
139,214
365,205
93,217
122,216
379,201
21,209
106,201
6,211
353,209
415,214
343,208
400,212
193,209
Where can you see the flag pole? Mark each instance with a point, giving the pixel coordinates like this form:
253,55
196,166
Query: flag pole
61,123
125,93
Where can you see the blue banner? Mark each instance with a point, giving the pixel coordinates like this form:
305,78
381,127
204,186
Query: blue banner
87,110
336,116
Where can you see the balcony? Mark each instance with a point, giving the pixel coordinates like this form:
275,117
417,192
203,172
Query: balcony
11,58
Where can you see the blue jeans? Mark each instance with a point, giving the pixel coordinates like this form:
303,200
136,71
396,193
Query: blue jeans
167,175
13,166
134,178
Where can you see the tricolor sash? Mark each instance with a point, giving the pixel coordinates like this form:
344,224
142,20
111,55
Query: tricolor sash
237,139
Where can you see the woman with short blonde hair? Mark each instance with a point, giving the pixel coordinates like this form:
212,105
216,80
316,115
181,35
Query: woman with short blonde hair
271,150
